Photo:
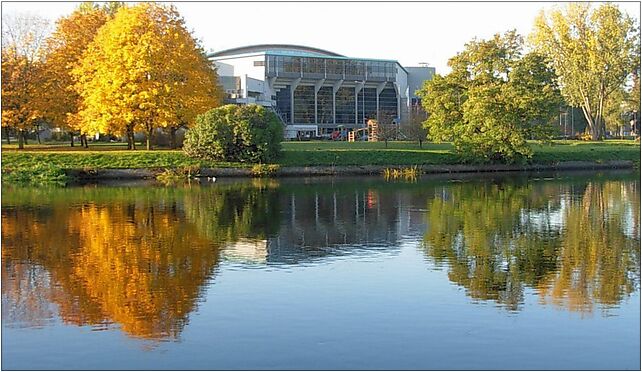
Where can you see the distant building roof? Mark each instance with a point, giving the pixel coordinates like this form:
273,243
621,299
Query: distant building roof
276,48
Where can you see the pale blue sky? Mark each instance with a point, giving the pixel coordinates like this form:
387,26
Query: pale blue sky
408,32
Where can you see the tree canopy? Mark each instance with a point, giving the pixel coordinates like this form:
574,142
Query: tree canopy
23,54
65,48
494,99
144,71
594,52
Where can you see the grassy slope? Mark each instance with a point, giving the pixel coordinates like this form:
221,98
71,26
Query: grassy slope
306,154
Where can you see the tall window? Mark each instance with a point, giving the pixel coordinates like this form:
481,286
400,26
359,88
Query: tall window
370,103
304,104
388,102
324,105
283,103
345,105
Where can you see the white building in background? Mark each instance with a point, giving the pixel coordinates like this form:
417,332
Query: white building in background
316,92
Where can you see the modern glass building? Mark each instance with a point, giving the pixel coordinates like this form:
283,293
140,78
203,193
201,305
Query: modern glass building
316,92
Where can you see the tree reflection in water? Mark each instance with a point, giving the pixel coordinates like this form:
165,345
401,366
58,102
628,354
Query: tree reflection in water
141,257
577,245
138,257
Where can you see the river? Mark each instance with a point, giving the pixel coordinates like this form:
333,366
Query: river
494,271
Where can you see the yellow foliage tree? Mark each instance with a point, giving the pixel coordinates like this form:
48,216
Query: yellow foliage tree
144,71
65,48
22,72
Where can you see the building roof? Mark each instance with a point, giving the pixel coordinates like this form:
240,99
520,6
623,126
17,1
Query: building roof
288,49
276,48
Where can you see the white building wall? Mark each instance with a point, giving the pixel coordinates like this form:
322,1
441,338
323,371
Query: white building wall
402,84
224,69
243,67
417,76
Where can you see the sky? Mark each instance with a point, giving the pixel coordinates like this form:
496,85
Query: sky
411,33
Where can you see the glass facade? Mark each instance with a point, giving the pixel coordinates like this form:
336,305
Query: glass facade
370,103
304,104
283,103
366,105
345,105
331,68
388,103
349,109
324,105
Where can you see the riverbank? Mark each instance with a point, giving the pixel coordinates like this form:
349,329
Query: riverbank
302,159
151,173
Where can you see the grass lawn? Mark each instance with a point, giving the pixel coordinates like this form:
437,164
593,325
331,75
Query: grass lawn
301,154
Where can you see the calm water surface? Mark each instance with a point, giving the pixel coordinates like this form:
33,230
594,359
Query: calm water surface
537,271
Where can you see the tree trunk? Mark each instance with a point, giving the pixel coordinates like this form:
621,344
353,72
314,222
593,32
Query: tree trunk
71,135
149,139
38,135
131,145
24,137
421,144
590,123
6,133
172,137
83,141
21,140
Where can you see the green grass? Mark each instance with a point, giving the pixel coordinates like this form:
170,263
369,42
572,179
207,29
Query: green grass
97,159
365,153
324,153
409,153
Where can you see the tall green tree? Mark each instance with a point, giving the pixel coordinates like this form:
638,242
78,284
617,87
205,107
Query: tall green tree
594,52
492,101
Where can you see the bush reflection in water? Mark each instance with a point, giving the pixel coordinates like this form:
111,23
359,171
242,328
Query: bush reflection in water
141,257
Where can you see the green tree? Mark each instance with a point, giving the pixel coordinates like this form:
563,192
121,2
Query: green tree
492,101
594,52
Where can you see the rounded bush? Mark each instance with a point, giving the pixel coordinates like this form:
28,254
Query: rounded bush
235,133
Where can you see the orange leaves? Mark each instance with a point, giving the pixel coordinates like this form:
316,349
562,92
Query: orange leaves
22,70
159,66
66,47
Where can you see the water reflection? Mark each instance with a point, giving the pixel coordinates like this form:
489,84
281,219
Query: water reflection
141,258
575,244
136,257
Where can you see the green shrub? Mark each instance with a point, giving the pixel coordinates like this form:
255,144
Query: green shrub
211,135
248,133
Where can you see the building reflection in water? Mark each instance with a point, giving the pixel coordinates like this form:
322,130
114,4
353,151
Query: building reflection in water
140,258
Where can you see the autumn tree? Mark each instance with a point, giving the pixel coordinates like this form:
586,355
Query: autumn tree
144,71
65,49
23,38
493,100
593,51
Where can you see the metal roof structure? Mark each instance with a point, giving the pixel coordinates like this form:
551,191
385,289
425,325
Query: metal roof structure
277,48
